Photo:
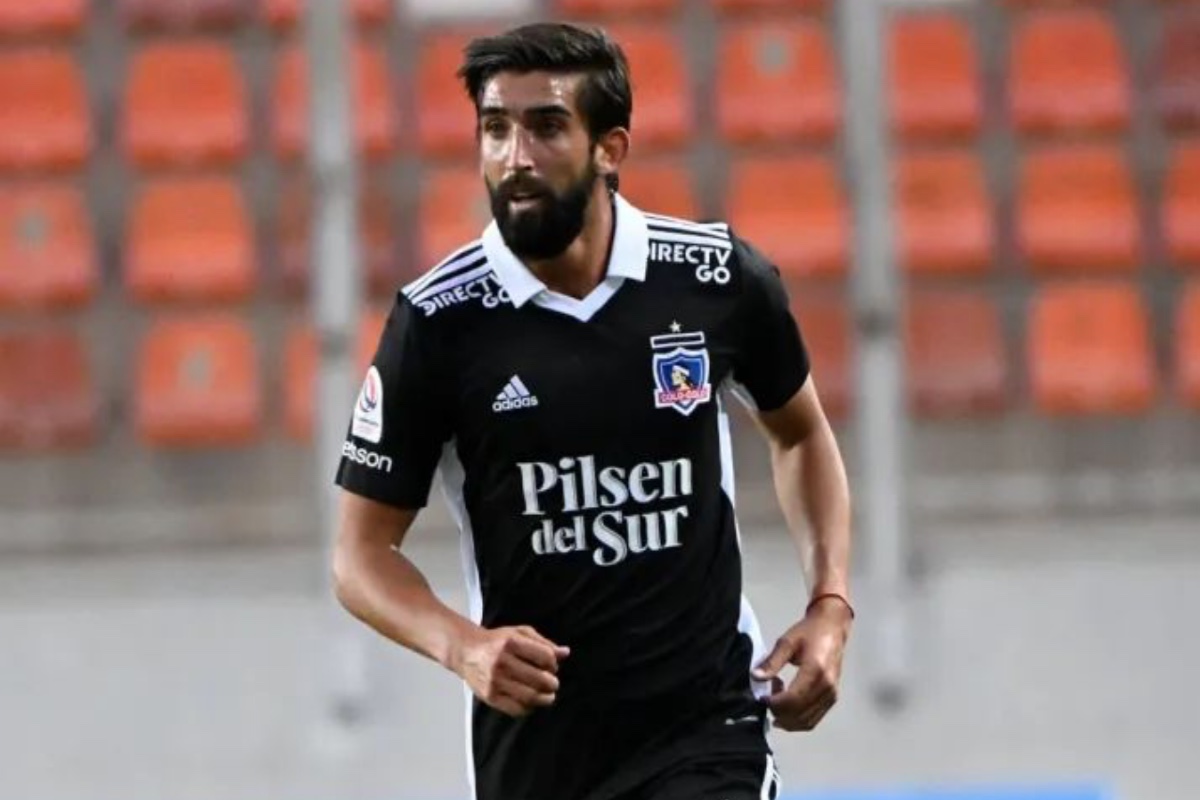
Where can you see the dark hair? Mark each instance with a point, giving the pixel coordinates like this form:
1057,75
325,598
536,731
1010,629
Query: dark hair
605,98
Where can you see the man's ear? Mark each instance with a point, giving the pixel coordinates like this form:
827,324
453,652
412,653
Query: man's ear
611,150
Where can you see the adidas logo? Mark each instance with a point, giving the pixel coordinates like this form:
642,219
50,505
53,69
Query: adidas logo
514,396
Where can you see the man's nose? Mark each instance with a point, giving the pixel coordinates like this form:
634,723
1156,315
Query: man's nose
520,152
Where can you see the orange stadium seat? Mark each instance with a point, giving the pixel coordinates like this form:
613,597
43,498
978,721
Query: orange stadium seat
185,104
20,19
776,82
1178,69
1076,210
198,383
793,208
935,88
446,125
1089,350
1181,206
284,14
614,8
47,247
824,322
183,14
661,187
1067,72
44,118
190,240
375,113
944,219
300,370
956,364
1187,346
664,114
377,235
454,212
48,398
770,5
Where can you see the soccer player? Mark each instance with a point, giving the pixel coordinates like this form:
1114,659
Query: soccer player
567,376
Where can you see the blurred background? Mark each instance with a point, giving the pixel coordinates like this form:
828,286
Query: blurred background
987,212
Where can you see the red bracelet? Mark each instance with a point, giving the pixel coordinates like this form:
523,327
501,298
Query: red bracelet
827,596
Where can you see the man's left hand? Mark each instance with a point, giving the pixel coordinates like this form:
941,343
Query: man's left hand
815,646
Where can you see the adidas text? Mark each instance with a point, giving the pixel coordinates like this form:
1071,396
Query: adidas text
507,404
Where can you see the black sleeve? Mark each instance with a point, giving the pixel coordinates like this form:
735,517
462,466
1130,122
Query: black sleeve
771,362
401,418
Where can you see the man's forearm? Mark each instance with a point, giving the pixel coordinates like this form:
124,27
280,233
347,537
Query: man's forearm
810,482
386,591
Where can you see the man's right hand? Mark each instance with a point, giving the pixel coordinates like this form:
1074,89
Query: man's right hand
513,670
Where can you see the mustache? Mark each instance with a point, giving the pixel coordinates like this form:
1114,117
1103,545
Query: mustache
522,185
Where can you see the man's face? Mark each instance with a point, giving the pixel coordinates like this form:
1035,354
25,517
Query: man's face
537,160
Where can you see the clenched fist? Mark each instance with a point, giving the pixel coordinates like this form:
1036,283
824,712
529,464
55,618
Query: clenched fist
513,670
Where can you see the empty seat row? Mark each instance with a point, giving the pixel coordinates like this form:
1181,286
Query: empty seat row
202,380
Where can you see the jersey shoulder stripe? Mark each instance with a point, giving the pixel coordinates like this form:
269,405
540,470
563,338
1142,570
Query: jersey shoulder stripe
664,222
683,232
457,263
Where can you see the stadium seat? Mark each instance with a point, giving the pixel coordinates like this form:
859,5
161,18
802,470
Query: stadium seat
48,398
738,6
1187,346
377,235
1067,72
446,125
454,211
935,88
1076,210
185,104
198,383
776,82
1089,350
190,240
944,219
614,8
300,370
1178,69
665,111
1181,207
956,363
20,19
184,14
793,208
47,247
375,112
824,322
283,14
661,187
45,123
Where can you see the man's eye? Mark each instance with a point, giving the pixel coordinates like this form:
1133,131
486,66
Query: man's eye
494,127
549,127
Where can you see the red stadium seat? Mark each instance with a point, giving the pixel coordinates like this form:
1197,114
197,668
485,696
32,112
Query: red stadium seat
824,322
661,187
935,87
375,113
198,383
944,219
1187,346
184,14
48,398
1181,207
793,208
190,239
44,118
955,352
300,370
615,8
1068,72
1077,211
776,82
22,19
47,248
446,125
377,235
283,14
454,212
1178,69
737,6
1089,350
664,114
185,104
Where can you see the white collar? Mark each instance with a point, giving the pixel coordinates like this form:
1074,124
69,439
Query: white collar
630,249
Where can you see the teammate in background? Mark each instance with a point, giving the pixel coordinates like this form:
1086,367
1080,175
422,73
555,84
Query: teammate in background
568,372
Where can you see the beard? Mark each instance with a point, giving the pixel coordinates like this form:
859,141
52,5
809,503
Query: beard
547,227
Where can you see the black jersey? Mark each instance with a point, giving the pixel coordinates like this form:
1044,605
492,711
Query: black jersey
585,453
